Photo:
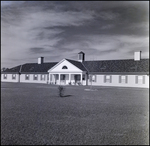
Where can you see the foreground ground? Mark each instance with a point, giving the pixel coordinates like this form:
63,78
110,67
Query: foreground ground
33,114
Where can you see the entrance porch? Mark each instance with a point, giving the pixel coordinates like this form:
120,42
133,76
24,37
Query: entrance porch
68,78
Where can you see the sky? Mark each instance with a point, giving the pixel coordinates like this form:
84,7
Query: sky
103,30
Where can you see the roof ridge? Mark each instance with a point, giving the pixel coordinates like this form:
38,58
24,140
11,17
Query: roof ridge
117,60
72,60
42,63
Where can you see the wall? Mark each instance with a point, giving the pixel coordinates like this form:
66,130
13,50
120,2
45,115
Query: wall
22,79
9,78
99,80
115,81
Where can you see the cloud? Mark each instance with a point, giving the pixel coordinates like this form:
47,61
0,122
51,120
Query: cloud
108,26
108,15
30,29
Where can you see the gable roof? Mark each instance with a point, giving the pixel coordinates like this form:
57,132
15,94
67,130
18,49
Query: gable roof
32,67
77,64
128,65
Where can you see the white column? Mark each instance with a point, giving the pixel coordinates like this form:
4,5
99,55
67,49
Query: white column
86,79
81,78
69,78
49,78
59,78
19,78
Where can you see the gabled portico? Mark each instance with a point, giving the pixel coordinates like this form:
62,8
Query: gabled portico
65,73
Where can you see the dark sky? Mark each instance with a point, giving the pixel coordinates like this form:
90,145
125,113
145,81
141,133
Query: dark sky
56,30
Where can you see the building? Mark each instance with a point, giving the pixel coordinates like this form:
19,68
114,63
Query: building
123,73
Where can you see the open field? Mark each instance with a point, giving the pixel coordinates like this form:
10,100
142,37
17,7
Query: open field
33,114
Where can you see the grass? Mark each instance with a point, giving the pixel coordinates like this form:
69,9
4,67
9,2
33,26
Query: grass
33,114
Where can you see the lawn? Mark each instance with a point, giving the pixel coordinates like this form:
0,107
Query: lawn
33,114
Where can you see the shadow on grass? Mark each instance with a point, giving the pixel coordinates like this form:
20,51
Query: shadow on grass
65,95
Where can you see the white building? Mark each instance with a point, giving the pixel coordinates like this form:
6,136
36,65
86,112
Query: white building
123,73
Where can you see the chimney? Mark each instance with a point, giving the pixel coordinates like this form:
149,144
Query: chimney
40,60
137,56
81,56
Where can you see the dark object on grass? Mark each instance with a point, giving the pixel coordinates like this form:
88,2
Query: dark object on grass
61,90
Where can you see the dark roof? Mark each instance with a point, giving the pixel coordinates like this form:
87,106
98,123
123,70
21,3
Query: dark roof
128,65
77,64
14,69
107,66
32,67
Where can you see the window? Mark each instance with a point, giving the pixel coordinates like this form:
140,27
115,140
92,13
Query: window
5,76
26,77
13,76
107,79
92,78
123,79
43,77
35,77
64,67
140,79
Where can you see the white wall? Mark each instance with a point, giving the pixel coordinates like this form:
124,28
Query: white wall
115,81
31,80
9,78
99,80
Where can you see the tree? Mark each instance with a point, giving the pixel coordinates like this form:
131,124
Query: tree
3,69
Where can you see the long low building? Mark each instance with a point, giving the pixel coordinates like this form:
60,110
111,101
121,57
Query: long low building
123,73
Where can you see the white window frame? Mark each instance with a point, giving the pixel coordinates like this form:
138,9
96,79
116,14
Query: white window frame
123,79
35,77
27,76
5,76
13,76
92,78
42,77
107,78
140,79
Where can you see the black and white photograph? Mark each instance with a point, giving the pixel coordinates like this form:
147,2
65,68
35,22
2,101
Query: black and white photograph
74,72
